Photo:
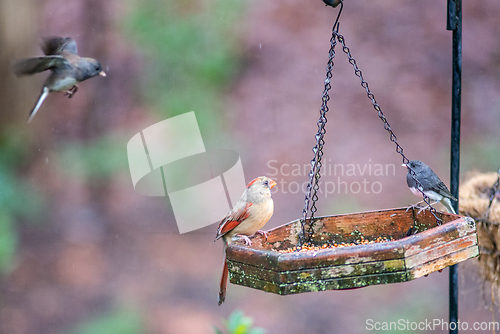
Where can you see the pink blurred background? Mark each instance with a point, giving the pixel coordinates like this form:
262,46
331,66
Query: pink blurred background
94,250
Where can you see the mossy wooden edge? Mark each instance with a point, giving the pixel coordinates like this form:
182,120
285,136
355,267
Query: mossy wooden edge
309,283
307,275
319,285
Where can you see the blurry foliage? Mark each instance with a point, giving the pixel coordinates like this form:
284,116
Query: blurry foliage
343,203
19,198
408,306
480,154
8,242
191,49
238,323
119,322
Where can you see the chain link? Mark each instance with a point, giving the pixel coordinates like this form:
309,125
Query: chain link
316,163
387,127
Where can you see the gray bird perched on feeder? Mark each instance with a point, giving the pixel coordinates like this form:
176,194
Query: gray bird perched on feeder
432,186
66,66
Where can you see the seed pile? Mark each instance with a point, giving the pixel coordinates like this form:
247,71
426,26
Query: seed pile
359,241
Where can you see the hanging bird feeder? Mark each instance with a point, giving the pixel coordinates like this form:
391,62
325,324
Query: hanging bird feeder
351,250
274,265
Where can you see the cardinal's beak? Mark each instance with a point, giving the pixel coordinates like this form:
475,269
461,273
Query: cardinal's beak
102,74
272,183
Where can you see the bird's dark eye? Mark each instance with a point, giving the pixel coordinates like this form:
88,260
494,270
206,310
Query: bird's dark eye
266,183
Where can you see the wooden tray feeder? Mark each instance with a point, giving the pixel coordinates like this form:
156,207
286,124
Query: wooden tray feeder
263,266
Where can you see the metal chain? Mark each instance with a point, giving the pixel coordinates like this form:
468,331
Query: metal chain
387,127
316,163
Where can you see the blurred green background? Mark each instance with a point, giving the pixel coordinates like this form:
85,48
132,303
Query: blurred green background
81,252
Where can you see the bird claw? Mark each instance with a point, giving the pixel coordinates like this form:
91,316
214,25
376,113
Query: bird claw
70,92
423,209
264,233
414,206
246,239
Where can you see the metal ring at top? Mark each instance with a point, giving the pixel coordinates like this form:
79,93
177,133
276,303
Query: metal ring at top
333,3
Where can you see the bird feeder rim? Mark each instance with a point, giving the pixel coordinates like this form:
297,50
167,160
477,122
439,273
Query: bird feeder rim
280,257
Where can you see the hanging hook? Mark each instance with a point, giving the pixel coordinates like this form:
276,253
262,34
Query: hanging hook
337,23
335,3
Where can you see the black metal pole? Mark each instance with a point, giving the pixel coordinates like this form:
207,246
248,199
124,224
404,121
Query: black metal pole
455,24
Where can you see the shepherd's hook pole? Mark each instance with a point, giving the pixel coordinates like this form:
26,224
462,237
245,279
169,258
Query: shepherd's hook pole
454,23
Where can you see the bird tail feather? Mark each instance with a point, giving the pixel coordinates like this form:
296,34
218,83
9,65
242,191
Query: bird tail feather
43,95
223,280
449,207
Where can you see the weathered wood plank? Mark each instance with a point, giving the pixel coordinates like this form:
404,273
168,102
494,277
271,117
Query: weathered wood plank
322,258
370,224
391,222
340,256
442,249
255,257
438,236
443,262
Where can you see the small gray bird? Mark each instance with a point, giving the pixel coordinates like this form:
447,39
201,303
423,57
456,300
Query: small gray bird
66,66
432,186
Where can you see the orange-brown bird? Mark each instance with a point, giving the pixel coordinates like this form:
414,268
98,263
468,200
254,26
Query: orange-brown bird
252,211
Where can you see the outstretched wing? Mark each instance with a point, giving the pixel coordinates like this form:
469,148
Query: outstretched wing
39,64
59,45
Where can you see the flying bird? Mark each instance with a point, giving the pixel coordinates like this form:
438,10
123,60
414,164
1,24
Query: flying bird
66,67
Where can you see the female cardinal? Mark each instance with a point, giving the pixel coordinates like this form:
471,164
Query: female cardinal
252,211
